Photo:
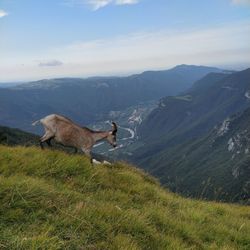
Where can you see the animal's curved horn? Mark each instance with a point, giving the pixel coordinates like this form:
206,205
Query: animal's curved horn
114,128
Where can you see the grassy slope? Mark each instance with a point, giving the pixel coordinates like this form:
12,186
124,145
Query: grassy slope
51,200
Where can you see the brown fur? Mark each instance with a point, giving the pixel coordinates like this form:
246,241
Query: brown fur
66,132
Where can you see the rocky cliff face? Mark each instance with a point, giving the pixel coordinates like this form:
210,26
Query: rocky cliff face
216,166
237,134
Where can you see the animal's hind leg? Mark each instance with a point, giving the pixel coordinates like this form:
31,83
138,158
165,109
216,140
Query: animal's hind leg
41,145
41,142
49,142
46,138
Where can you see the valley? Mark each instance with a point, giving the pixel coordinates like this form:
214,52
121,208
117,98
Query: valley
128,121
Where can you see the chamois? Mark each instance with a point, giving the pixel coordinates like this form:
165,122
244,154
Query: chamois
67,133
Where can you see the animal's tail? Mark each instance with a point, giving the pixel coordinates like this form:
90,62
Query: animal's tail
36,122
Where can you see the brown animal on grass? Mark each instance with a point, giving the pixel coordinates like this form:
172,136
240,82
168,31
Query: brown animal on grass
67,133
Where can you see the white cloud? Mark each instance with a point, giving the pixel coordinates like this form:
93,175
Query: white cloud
121,2
3,13
50,63
98,4
241,2
163,48
222,45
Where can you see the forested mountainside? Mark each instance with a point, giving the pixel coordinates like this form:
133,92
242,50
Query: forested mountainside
175,139
13,137
215,166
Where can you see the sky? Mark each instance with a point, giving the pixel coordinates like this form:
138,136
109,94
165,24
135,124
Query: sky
79,38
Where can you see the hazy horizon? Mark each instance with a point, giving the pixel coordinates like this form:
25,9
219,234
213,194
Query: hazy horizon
119,75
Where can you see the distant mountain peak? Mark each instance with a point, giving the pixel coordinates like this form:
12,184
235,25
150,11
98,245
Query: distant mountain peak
198,67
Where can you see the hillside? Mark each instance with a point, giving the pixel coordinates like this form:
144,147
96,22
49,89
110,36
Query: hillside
190,116
11,137
50,200
209,101
91,100
217,163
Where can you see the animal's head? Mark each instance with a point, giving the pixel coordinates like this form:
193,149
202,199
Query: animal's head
112,135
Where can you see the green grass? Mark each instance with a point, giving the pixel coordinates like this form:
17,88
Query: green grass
52,200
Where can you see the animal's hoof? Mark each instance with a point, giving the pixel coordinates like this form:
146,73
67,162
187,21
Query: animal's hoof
106,163
94,161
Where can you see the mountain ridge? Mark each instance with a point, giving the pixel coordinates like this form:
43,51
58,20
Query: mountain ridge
180,124
216,100
88,100
217,163
183,68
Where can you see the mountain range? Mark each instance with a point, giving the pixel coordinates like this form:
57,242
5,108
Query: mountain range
177,140
209,101
90,100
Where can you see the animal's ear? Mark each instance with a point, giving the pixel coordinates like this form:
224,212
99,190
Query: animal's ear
114,128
